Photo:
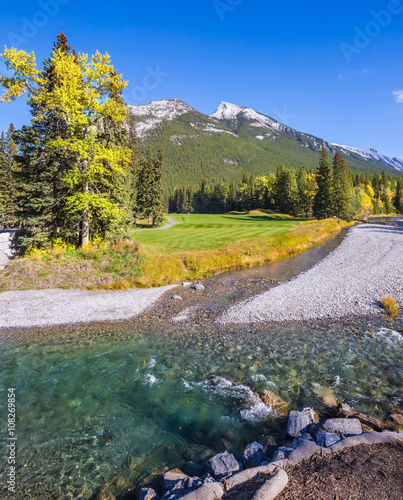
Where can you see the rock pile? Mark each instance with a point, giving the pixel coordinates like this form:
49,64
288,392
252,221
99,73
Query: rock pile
223,474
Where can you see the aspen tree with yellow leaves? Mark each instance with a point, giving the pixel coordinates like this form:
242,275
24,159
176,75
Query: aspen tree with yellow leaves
84,97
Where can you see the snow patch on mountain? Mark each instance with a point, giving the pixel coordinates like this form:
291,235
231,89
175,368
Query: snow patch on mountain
156,112
211,127
372,154
231,112
227,111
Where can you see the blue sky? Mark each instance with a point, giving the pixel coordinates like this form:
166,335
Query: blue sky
332,69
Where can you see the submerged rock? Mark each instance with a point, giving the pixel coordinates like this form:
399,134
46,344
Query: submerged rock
299,421
148,494
397,421
275,402
222,464
270,446
105,494
345,410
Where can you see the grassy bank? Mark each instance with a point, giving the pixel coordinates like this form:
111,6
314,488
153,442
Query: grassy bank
279,239
197,247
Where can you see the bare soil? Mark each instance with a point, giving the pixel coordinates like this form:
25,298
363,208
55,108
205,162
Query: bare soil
362,473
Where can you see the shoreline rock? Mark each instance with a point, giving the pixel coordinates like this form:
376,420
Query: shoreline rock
226,475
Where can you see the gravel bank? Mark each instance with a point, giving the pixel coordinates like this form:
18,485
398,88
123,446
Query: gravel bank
56,307
349,282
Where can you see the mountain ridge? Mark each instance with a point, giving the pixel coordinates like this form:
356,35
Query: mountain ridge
235,139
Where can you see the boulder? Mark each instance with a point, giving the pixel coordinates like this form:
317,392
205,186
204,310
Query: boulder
222,464
253,454
342,426
206,479
177,297
273,486
326,439
198,286
371,422
148,494
299,421
171,478
278,405
282,452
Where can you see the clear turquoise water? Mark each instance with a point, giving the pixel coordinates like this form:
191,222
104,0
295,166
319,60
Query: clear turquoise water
107,403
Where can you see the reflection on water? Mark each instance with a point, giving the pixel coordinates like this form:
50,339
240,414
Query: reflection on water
107,403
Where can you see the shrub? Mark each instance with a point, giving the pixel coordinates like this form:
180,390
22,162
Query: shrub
390,306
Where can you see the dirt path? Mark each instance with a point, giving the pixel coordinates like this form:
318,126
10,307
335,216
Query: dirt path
170,220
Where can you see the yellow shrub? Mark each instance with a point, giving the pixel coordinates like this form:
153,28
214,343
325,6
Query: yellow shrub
390,306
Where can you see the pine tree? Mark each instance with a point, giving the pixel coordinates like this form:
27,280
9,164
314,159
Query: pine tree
279,188
398,198
323,201
305,190
156,188
131,178
291,195
342,188
8,181
149,188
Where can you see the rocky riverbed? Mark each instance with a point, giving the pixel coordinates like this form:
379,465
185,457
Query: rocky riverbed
351,281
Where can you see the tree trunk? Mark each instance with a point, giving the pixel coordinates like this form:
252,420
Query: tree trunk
85,225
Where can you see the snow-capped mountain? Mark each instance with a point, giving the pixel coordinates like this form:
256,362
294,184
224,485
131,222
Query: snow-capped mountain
232,112
234,140
156,112
371,154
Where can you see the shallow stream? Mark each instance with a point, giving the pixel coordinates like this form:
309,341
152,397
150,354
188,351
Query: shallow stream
116,404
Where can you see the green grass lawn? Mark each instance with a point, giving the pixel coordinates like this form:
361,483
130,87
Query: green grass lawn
202,232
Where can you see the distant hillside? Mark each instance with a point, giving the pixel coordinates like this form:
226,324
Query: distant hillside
231,141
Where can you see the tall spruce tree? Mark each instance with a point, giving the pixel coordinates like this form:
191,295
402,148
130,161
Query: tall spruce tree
8,181
279,188
342,188
323,201
291,195
156,210
398,198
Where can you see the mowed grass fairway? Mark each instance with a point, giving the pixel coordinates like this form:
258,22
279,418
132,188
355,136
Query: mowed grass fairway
201,232
199,246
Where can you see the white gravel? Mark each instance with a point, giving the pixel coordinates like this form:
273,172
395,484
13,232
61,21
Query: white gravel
56,307
367,266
